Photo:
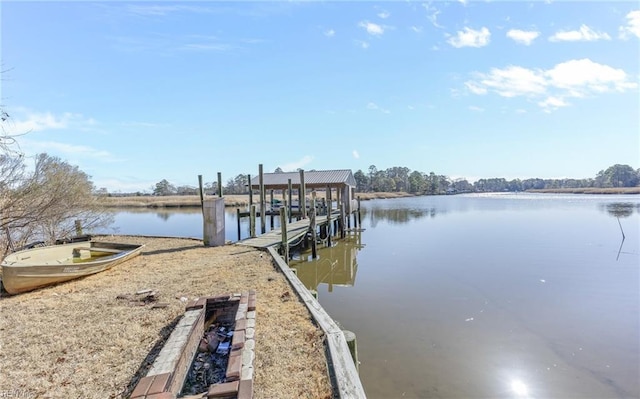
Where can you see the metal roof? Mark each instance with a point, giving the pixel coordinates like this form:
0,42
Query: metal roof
312,179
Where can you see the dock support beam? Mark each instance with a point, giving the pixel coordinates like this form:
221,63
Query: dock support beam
219,185
289,188
263,216
252,222
283,228
312,226
302,196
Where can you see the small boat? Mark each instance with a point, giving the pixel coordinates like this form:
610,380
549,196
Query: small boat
38,267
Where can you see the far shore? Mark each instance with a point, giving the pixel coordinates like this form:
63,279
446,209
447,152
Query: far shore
242,200
231,200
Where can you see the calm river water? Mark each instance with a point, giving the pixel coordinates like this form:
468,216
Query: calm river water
497,295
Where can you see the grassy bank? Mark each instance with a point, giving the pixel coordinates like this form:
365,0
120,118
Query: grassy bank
232,200
78,340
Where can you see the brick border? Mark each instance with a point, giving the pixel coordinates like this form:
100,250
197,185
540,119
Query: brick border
167,375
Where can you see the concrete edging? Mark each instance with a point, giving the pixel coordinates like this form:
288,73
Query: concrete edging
341,364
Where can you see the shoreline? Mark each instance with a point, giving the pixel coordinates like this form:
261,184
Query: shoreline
231,200
242,200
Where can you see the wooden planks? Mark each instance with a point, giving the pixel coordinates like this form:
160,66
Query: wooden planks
295,230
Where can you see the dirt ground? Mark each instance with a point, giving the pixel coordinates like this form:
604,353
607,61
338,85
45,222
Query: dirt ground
77,340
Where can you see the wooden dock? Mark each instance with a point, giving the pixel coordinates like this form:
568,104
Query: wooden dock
295,231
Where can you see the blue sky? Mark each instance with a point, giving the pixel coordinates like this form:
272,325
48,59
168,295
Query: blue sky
137,92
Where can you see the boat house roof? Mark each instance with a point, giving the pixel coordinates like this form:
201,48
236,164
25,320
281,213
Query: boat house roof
312,179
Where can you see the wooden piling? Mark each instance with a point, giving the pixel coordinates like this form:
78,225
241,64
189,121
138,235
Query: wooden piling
328,197
238,219
341,223
312,226
252,221
263,216
78,226
290,188
250,190
219,185
201,193
359,219
350,337
271,209
302,196
283,228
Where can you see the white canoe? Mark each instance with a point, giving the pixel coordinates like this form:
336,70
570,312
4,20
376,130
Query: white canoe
38,267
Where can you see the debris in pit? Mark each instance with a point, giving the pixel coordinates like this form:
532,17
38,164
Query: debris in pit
210,363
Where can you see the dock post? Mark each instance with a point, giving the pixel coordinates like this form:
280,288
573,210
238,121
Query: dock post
238,218
302,196
213,230
359,219
78,225
263,216
219,185
250,191
328,196
353,346
312,226
201,193
252,222
283,228
341,222
271,209
290,188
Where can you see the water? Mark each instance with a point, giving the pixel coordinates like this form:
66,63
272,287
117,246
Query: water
497,295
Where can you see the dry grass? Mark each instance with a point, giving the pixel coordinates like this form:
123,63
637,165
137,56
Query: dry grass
76,340
234,200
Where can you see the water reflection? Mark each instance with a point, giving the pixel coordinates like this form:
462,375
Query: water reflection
620,209
398,215
334,266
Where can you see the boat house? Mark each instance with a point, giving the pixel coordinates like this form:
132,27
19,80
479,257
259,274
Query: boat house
340,181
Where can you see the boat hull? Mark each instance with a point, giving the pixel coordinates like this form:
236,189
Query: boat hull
39,267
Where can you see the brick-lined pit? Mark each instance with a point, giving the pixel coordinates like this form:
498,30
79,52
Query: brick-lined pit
168,372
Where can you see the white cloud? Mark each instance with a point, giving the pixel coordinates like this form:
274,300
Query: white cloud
371,28
470,38
584,34
330,33
355,154
293,166
376,107
583,77
361,44
384,14
475,108
28,121
523,36
552,103
633,25
66,150
416,29
570,79
511,81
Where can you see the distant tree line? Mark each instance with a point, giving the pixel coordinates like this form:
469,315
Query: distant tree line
402,179
399,179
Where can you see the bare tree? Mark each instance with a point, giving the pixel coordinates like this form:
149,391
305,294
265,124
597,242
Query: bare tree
44,204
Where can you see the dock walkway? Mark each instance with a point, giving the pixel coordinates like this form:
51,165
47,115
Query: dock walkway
295,230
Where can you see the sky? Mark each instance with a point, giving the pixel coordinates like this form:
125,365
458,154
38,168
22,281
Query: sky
136,92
